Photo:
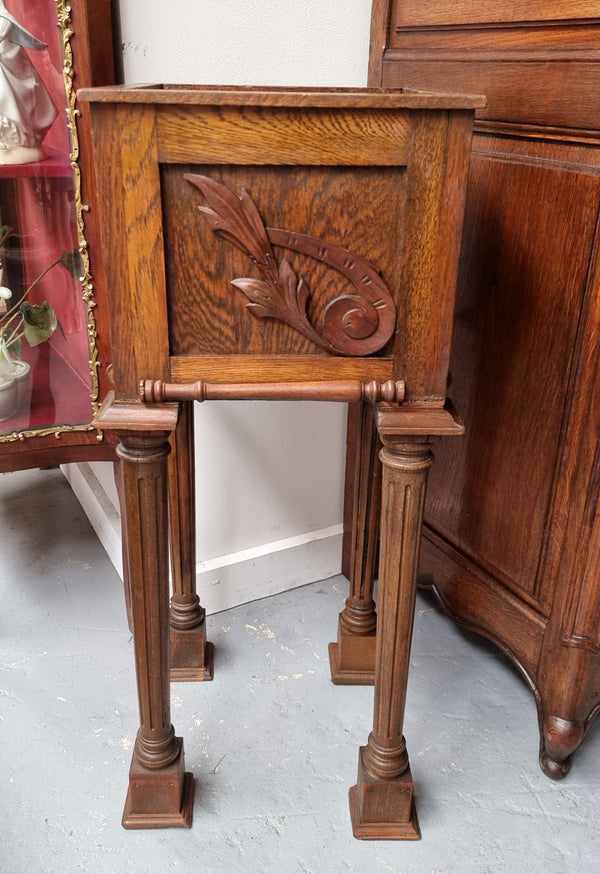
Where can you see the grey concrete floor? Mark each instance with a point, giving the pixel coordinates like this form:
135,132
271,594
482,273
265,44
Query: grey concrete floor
271,742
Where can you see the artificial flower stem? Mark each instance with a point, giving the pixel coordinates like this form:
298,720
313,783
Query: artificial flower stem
14,338
31,287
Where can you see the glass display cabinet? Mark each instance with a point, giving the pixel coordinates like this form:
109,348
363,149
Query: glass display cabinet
52,358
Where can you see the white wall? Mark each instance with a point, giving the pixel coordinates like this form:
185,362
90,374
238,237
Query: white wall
269,476
246,42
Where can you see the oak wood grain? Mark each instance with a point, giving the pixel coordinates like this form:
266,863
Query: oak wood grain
462,12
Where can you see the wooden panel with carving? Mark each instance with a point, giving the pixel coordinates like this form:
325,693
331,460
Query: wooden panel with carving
227,324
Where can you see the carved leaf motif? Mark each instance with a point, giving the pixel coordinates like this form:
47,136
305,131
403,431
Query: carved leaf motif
286,299
237,220
353,324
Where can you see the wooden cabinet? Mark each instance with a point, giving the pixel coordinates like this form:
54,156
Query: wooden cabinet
47,201
512,543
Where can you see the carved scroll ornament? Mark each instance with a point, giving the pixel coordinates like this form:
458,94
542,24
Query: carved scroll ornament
353,324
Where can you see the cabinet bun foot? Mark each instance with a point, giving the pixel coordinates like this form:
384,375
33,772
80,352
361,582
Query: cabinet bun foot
560,738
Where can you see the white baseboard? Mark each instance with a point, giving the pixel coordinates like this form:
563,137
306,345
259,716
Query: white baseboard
268,569
228,580
99,507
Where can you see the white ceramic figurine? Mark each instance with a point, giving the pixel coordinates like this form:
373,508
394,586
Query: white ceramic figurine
26,108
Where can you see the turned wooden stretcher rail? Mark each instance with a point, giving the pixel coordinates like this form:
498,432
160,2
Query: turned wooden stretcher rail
156,391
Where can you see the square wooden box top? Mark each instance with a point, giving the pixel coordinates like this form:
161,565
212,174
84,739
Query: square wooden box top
228,95
413,146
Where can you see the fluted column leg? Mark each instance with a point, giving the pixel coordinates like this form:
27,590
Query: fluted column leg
382,801
160,792
352,656
191,654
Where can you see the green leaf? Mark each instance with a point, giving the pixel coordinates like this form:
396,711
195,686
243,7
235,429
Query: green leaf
39,322
74,263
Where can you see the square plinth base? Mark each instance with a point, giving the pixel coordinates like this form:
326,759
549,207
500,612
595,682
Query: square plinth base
383,809
352,660
159,799
192,658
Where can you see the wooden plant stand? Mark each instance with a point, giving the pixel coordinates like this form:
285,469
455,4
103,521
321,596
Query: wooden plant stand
281,245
